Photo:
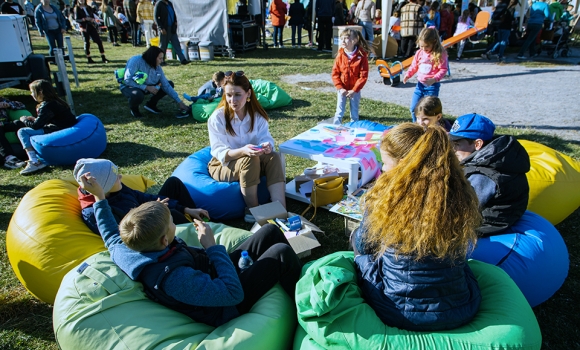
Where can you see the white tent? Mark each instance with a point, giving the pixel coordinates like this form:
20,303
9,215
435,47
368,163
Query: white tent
206,20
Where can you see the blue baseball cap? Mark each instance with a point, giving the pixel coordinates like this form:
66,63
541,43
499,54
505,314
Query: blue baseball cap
472,126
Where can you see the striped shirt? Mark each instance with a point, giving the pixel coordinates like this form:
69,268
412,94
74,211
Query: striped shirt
411,21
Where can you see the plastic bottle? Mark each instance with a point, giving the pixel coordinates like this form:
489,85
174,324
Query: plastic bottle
245,261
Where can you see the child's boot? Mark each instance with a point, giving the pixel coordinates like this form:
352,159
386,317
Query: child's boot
90,60
105,60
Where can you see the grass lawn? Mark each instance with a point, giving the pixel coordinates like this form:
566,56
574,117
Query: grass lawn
154,145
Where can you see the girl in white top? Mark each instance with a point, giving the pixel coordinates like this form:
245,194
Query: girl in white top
241,144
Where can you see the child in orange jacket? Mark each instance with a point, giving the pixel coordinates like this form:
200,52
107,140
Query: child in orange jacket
350,72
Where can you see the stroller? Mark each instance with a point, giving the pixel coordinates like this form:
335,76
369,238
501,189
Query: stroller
558,45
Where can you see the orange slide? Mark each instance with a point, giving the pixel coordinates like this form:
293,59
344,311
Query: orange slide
391,74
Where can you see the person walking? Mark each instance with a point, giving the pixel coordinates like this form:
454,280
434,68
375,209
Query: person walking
130,8
324,12
411,26
166,21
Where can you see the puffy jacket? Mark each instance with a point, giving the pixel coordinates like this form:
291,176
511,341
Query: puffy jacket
278,13
425,295
506,162
350,74
154,276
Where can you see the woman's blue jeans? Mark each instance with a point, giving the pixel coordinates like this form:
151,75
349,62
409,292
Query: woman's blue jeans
278,36
422,90
54,38
502,41
297,29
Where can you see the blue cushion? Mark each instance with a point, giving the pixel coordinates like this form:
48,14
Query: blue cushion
86,139
532,252
223,200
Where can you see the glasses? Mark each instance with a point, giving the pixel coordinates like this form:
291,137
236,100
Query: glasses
229,74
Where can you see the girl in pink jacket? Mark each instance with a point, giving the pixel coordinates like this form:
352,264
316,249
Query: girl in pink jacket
430,62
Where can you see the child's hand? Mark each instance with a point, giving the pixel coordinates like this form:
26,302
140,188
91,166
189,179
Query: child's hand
91,185
204,234
405,80
27,117
164,200
197,213
342,92
430,81
349,93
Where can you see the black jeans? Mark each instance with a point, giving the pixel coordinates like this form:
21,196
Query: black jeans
325,33
134,29
408,46
113,34
175,189
274,261
91,33
5,147
136,96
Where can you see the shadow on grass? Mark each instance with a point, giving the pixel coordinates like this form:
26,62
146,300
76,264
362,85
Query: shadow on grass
27,315
141,153
551,141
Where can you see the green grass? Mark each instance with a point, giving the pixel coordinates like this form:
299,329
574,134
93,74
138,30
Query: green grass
155,145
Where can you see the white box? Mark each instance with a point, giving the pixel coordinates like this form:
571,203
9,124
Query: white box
303,243
15,40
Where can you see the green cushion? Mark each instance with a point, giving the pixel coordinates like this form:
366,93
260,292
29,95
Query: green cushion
15,115
269,95
101,308
333,314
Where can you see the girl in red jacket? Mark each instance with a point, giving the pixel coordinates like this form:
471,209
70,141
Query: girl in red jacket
350,72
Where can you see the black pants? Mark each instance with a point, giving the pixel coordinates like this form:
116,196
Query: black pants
274,261
91,33
113,34
134,29
408,46
136,96
5,147
175,189
325,33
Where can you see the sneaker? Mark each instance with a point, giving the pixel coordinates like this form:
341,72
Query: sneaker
32,167
521,57
13,163
248,217
486,55
184,62
152,109
136,113
281,46
458,59
184,113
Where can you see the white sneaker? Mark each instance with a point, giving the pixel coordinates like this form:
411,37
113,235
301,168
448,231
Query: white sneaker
13,163
32,167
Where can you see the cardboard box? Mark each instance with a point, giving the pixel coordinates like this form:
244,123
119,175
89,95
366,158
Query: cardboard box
335,32
303,243
392,47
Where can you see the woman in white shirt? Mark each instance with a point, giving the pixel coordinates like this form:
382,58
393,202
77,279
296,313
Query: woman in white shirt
241,144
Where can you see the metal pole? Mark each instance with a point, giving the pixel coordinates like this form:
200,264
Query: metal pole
62,75
71,58
386,24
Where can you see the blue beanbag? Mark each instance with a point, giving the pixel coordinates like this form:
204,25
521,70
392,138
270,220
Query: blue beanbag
533,253
223,200
86,139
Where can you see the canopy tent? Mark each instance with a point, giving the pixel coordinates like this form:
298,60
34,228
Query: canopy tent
206,20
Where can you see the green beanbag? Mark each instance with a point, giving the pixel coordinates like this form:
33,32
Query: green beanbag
333,314
101,308
15,115
269,96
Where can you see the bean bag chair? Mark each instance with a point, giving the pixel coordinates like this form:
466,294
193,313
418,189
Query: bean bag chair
46,236
532,253
554,180
15,115
86,139
333,315
223,200
269,96
99,307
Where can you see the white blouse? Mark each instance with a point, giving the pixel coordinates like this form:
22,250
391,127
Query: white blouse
221,142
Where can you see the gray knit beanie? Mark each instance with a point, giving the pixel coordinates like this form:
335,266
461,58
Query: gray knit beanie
101,169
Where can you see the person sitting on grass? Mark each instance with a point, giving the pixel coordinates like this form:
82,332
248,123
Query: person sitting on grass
429,111
53,114
6,154
496,167
204,284
420,222
122,199
211,90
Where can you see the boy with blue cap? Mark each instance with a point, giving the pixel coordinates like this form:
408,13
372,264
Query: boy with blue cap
496,167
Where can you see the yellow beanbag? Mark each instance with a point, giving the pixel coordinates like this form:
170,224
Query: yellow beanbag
46,236
554,180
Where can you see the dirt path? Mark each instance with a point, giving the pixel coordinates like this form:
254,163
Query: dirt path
546,99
